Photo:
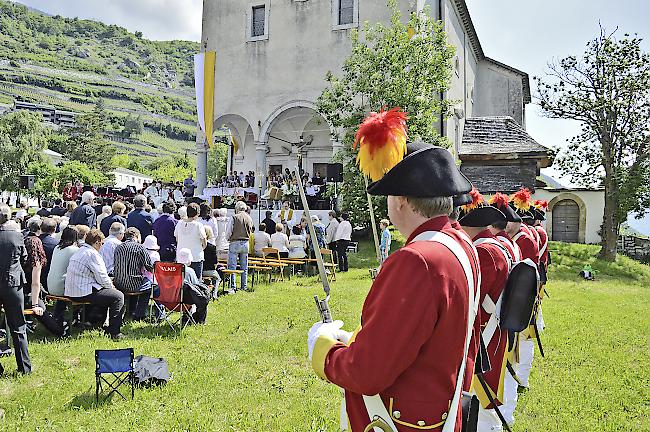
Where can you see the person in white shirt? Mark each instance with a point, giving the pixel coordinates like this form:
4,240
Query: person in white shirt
261,240
330,231
106,211
153,192
164,194
178,195
107,251
22,212
221,232
87,281
207,219
343,236
190,234
297,243
280,241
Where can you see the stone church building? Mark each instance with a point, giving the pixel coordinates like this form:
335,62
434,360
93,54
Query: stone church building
272,58
273,55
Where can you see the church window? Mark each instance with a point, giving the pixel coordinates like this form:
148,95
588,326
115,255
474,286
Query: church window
259,17
346,12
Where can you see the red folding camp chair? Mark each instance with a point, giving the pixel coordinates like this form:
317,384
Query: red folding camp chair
170,278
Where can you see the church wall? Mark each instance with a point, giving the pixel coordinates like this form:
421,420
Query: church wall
499,92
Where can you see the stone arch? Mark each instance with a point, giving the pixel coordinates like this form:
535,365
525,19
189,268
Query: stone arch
289,124
265,130
582,228
243,132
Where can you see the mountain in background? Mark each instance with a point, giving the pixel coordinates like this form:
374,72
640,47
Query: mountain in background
69,63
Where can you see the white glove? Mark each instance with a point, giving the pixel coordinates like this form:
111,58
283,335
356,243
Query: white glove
331,330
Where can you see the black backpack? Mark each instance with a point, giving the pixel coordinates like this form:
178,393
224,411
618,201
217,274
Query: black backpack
519,296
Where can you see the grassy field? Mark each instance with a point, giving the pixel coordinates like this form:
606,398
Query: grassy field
247,368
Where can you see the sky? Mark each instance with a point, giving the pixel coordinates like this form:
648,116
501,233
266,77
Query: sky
524,34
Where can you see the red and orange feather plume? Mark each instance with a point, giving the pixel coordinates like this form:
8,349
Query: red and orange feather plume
499,200
382,142
477,201
541,205
521,199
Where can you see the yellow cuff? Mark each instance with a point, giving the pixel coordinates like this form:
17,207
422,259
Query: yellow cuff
323,346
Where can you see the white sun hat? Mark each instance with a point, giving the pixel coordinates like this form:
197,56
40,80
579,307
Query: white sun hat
151,243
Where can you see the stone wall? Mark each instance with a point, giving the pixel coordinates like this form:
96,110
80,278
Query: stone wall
634,247
494,177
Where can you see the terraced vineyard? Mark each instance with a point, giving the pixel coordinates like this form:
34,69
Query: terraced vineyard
70,64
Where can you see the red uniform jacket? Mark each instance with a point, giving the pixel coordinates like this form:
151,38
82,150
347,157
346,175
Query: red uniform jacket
411,342
527,244
514,258
70,193
543,240
494,275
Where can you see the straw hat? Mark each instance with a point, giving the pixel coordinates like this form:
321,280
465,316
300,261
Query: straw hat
151,243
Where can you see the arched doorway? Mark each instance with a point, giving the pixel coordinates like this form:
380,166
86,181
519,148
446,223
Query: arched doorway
566,221
297,129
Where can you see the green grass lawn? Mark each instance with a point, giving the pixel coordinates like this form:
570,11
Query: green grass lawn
247,368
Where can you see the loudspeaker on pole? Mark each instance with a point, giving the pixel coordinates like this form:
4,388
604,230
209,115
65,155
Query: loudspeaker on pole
27,181
335,172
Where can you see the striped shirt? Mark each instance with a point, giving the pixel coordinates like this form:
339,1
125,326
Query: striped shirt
131,260
86,272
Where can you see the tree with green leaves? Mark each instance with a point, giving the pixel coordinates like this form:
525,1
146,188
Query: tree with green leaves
75,170
406,65
607,90
22,140
86,143
133,126
43,172
217,157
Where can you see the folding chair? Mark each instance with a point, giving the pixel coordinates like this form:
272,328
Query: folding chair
272,259
170,278
117,363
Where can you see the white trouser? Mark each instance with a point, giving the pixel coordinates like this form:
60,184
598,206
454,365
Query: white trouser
510,398
488,420
526,352
540,321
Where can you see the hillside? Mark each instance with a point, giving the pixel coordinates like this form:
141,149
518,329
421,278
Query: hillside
69,63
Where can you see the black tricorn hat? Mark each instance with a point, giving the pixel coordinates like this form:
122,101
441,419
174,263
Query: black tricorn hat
461,200
526,216
481,216
538,214
425,172
511,214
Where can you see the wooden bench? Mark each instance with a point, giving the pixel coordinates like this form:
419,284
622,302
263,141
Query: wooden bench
226,276
72,302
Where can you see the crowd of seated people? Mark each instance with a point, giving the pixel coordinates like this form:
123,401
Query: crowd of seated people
101,254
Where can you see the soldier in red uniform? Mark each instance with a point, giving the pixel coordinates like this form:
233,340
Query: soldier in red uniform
495,262
402,368
526,239
540,216
70,192
499,228
501,231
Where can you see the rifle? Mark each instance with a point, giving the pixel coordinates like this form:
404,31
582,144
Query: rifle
321,305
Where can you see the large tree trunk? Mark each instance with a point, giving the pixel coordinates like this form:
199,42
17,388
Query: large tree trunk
610,227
